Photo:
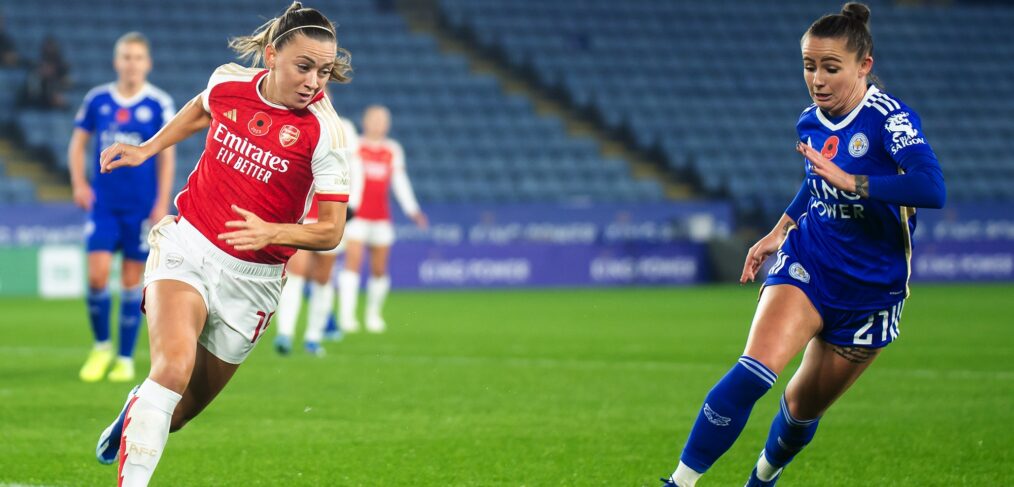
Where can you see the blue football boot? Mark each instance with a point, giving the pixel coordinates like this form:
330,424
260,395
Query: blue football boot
109,441
332,333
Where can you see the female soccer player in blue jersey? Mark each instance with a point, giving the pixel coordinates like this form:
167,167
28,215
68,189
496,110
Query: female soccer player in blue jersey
840,277
120,205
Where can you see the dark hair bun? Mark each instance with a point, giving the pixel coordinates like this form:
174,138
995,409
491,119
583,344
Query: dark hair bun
857,11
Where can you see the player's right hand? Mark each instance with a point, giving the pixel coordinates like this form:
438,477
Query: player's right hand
119,155
84,196
758,254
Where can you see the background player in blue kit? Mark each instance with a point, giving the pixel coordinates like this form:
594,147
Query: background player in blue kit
120,205
840,278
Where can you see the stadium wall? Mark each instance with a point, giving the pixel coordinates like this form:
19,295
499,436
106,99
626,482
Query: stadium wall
520,246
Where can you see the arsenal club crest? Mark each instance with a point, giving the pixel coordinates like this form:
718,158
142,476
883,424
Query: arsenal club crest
288,135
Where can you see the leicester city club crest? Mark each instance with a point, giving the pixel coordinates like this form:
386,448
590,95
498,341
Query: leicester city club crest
858,145
799,273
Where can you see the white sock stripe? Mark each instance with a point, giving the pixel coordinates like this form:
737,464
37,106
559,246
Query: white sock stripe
759,366
758,372
792,420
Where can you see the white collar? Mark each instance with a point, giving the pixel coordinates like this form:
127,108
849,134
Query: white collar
131,101
872,90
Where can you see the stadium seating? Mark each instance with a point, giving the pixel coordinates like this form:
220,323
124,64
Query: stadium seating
710,88
466,140
713,88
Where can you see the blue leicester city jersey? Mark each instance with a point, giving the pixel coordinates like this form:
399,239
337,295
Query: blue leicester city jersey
111,118
861,247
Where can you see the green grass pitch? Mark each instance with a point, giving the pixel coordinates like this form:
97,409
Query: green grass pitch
528,388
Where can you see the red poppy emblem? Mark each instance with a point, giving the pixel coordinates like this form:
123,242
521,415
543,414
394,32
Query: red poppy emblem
122,116
288,135
830,147
259,124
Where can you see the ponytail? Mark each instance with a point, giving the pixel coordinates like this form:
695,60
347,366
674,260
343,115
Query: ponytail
280,30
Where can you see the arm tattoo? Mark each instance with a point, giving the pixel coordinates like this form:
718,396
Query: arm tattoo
788,226
863,186
856,355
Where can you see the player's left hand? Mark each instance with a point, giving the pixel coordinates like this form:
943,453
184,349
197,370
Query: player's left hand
253,233
826,169
119,155
420,220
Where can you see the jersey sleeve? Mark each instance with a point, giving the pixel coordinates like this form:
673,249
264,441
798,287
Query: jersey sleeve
168,109
399,181
920,182
85,117
330,162
225,73
902,134
355,164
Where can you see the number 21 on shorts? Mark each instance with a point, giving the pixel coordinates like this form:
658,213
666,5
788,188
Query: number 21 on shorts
888,319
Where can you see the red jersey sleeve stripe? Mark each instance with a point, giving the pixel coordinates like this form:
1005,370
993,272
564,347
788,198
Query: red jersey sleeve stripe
340,198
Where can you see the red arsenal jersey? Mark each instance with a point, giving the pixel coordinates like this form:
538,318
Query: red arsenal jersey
383,164
264,158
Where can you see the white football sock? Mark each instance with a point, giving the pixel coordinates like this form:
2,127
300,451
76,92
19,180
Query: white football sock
321,305
348,295
766,471
288,305
685,476
145,431
376,293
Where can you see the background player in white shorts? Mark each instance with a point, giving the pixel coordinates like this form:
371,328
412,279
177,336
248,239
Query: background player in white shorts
318,267
383,162
214,274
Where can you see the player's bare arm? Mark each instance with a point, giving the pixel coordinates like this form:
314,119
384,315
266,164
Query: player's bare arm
863,186
253,233
764,248
190,119
83,195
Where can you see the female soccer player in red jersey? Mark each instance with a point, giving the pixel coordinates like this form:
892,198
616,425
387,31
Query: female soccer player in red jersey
215,272
383,162
317,267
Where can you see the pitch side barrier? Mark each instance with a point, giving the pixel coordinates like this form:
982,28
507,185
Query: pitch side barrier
540,245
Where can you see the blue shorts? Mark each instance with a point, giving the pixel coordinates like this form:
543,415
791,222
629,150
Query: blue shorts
112,230
857,327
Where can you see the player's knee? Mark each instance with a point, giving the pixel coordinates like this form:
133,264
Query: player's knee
803,409
172,373
97,280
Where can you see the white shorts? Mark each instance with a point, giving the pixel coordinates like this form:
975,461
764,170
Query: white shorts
240,296
374,233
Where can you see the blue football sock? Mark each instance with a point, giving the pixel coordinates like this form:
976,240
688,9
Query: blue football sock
98,313
130,320
332,324
725,412
787,437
